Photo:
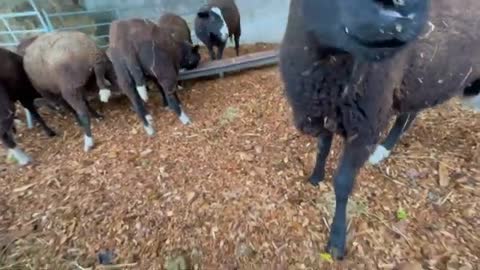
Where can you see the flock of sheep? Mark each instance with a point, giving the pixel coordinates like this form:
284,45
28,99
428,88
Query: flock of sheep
347,66
65,66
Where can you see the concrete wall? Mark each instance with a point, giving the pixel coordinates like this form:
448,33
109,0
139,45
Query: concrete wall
262,20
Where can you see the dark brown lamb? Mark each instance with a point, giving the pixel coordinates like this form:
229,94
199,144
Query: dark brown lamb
350,65
63,66
16,86
140,48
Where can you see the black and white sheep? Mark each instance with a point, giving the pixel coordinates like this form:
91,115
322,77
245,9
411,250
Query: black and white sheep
349,65
215,23
139,49
63,66
16,86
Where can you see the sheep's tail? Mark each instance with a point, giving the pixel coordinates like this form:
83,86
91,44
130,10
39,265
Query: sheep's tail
471,96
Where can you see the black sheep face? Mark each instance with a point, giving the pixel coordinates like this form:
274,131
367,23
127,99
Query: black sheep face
369,29
213,24
190,56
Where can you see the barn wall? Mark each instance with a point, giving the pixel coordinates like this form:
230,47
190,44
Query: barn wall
262,21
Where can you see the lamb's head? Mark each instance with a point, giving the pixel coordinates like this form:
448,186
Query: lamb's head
213,23
369,29
190,56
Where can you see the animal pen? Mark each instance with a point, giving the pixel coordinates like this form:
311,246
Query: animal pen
230,190
96,22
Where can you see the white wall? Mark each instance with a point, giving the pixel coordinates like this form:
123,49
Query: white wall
262,20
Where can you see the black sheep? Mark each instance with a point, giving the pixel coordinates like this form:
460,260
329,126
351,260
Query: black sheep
215,23
347,74
140,48
16,86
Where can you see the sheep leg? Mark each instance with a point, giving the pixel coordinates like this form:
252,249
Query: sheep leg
139,106
92,111
127,85
354,156
164,98
174,102
71,110
49,100
100,70
324,144
135,70
211,52
7,118
30,106
162,93
221,48
237,45
74,97
39,119
180,85
142,113
13,150
402,124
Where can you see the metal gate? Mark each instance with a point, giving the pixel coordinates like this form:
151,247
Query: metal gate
51,21
12,34
97,29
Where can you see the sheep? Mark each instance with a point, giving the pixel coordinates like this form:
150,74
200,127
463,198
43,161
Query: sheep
349,65
7,117
20,50
63,66
215,22
140,48
179,31
178,27
16,86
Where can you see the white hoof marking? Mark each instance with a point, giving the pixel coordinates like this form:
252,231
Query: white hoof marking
88,143
472,102
149,130
21,157
149,119
184,118
105,95
142,91
380,154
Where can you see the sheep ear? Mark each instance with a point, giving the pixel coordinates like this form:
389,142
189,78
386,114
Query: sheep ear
203,14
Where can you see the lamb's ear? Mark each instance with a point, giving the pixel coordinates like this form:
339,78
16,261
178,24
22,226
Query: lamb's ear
203,12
